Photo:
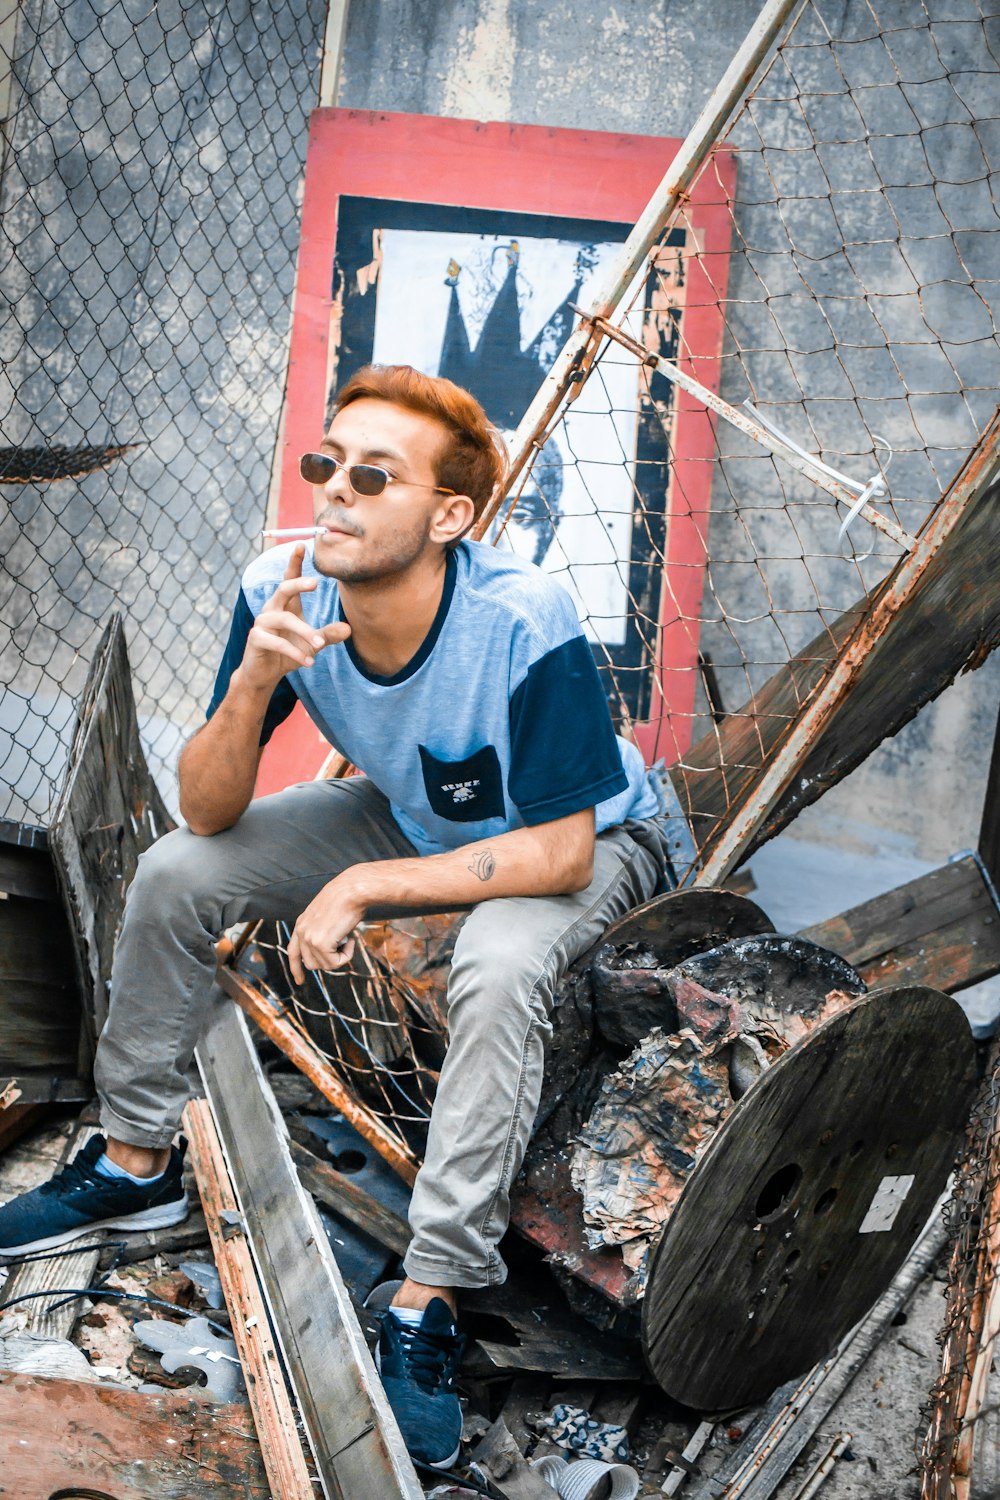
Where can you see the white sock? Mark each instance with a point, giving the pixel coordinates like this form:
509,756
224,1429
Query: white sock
411,1316
109,1168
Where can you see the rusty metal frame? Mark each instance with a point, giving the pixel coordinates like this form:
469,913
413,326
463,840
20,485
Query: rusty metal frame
753,429
353,1434
572,364
980,469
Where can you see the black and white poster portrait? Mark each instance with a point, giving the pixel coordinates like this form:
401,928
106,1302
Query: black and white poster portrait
487,299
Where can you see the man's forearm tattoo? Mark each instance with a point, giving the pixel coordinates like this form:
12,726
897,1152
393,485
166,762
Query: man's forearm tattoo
483,865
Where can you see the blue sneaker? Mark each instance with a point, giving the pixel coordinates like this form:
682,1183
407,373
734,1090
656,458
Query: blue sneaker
418,1368
79,1199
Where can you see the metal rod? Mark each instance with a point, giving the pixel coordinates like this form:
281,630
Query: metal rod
753,430
825,1467
982,466
333,51
581,347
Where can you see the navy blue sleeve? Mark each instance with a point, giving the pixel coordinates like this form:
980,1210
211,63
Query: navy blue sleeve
283,698
563,752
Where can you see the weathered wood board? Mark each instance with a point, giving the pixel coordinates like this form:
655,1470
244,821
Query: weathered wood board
40,1012
808,1199
352,1432
108,813
70,1437
942,929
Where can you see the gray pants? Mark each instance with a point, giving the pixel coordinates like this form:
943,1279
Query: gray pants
509,957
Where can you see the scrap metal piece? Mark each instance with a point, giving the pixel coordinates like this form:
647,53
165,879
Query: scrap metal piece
206,1278
196,1345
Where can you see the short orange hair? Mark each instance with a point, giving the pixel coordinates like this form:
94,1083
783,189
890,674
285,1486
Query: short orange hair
476,461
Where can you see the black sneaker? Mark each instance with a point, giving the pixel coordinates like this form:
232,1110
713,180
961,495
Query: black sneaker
418,1368
79,1199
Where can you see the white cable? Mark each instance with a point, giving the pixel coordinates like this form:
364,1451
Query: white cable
874,489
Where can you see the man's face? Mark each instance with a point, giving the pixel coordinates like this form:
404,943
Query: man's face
370,537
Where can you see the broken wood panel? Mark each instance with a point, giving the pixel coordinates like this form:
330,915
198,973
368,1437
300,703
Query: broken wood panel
17,1119
72,1438
40,1012
109,811
937,614
354,1437
273,1415
989,833
345,1197
808,1199
942,929
48,1088
26,868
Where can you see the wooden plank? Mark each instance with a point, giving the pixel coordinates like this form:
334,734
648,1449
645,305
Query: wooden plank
354,1437
17,1119
108,813
36,1087
274,1417
937,614
345,1197
942,929
26,870
989,833
68,1437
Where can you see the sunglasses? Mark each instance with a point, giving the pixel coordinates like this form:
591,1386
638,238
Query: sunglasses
364,479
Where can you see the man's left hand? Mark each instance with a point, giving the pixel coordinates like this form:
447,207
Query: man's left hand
323,935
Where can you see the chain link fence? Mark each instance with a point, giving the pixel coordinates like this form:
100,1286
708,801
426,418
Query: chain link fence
149,224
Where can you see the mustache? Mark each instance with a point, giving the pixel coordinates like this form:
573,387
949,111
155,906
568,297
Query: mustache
340,521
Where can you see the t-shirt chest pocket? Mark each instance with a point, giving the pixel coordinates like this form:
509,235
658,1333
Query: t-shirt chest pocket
464,791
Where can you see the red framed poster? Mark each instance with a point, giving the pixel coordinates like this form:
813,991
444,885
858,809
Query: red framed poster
461,248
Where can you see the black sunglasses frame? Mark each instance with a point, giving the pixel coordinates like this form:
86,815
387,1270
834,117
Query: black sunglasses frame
328,466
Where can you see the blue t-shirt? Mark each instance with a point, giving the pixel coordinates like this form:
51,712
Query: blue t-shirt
498,721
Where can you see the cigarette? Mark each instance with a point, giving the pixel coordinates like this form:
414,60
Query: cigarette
295,531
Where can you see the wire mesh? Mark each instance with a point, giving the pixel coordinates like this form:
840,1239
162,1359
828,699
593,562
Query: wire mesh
149,218
858,301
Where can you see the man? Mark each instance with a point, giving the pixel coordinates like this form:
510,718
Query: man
456,676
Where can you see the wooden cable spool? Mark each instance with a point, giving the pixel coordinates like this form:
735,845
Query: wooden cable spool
807,1200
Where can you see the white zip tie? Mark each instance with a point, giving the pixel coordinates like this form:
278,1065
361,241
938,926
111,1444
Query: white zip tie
875,488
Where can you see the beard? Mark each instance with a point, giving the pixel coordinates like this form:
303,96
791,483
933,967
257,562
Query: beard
376,560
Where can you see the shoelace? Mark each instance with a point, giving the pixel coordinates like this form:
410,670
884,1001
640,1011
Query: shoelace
428,1358
75,1176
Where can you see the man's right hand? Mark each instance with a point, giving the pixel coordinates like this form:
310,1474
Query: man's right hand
280,640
